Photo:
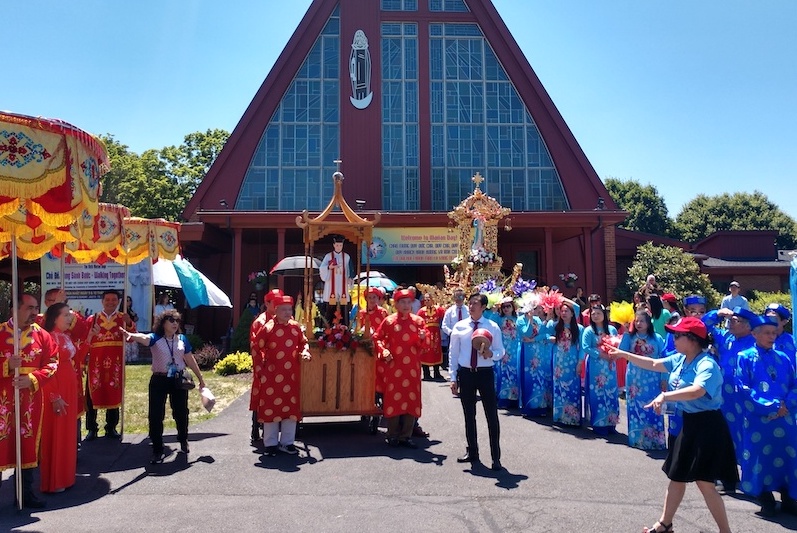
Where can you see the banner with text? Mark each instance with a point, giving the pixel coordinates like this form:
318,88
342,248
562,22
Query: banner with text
399,246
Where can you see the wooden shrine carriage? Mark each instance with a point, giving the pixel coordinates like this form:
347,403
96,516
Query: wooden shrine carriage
336,382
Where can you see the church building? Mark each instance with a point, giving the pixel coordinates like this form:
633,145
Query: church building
413,98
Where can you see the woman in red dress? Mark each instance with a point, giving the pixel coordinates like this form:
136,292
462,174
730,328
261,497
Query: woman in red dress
58,462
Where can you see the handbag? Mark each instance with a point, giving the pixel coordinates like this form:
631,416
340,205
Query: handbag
184,380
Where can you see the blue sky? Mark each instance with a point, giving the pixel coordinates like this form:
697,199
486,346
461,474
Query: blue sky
690,96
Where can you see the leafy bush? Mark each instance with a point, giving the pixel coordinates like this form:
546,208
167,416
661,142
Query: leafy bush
234,363
196,342
207,356
240,336
761,300
675,270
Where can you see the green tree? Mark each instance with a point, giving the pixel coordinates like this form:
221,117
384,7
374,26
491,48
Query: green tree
704,215
159,183
675,270
647,211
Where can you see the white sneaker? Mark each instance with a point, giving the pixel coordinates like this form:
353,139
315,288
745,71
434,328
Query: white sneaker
289,449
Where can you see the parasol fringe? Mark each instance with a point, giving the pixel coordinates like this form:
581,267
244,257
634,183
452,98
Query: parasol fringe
57,219
33,188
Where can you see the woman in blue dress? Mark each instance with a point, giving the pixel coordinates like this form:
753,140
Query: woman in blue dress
703,450
601,379
768,389
645,428
567,362
506,369
536,381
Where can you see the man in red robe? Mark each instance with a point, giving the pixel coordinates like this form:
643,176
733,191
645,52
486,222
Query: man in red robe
37,362
368,321
399,342
432,357
106,365
267,315
279,344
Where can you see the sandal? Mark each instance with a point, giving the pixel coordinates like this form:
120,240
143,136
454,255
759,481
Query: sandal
655,528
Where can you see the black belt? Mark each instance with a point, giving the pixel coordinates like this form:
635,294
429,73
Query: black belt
480,369
160,374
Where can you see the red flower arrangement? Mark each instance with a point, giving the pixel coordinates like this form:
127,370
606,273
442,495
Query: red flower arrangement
337,336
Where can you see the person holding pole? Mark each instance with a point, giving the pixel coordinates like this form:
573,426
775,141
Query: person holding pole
36,363
106,365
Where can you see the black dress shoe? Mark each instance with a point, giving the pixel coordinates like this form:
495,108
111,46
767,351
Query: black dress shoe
496,466
30,501
91,435
113,434
408,443
184,447
157,458
392,441
468,458
788,505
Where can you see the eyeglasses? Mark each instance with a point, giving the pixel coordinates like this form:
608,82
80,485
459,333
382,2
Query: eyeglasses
171,319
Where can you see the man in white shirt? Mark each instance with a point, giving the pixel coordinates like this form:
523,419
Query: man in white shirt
455,313
735,298
472,372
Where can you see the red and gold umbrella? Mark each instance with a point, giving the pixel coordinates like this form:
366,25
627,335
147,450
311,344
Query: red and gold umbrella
49,175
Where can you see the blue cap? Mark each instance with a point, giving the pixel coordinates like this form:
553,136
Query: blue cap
782,312
762,320
693,299
745,314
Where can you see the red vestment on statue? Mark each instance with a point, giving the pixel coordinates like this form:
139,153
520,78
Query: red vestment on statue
370,321
106,360
59,430
433,355
40,361
399,337
276,388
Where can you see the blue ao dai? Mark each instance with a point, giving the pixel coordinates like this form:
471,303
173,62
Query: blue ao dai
566,382
536,382
601,380
765,381
645,427
728,350
506,368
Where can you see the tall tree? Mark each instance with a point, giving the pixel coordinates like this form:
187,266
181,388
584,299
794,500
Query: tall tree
647,211
704,215
676,271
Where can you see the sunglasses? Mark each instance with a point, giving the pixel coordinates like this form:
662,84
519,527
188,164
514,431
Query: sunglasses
171,319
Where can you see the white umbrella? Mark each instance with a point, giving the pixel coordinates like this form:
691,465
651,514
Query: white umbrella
294,265
371,274
198,289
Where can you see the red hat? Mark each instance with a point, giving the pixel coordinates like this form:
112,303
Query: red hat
283,300
688,324
404,293
273,294
669,297
375,290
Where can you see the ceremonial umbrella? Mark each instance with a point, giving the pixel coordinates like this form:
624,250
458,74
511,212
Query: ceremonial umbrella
198,289
295,265
49,174
386,283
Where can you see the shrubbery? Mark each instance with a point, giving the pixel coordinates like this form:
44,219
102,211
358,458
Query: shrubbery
196,342
760,300
207,356
234,363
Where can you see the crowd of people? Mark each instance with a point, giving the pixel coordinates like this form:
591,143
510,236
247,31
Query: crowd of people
57,349
724,380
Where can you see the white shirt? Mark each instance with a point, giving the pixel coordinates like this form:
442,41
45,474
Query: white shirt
460,347
450,319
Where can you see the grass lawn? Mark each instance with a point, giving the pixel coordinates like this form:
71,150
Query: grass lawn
225,388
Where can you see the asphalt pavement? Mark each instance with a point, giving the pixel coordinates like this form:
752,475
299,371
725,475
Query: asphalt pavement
345,479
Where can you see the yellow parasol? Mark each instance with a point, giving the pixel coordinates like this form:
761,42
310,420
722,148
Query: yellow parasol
49,174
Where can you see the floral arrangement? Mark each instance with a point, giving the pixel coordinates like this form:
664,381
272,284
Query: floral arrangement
569,277
337,337
551,300
521,286
260,276
481,258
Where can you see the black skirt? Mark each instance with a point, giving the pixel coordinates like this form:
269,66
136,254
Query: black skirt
703,451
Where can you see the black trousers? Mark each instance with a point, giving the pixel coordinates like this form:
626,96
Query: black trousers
111,415
159,388
483,382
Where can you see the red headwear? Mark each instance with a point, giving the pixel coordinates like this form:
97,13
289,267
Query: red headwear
375,290
404,293
283,300
273,294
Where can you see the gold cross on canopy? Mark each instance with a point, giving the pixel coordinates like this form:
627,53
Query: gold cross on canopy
477,179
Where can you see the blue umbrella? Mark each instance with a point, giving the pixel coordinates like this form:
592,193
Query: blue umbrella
386,283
